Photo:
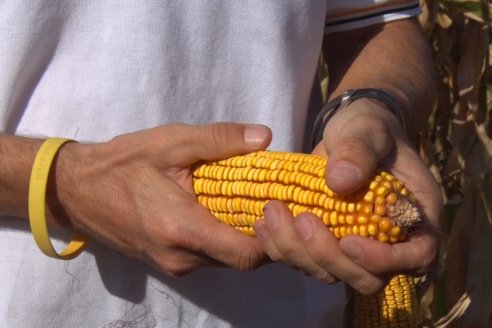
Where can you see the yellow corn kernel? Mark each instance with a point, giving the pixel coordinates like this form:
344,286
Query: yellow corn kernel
380,210
383,237
385,224
391,198
350,219
372,229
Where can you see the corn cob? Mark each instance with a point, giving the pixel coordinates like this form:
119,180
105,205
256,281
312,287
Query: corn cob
235,190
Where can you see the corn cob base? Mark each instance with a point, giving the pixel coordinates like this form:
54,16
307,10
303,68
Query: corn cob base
236,190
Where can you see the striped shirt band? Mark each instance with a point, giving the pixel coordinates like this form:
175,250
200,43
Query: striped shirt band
383,14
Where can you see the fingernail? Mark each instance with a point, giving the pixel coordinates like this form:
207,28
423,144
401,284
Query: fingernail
261,230
352,249
273,220
344,170
304,227
255,135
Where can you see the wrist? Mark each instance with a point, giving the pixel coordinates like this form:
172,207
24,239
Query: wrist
55,212
378,96
38,183
18,154
63,177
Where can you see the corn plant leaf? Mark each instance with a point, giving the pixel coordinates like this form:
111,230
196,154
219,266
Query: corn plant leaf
479,268
473,9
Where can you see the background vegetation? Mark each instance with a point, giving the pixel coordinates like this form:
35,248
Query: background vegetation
458,149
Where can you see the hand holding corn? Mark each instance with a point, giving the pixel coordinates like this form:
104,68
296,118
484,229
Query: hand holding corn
237,192
358,137
141,198
376,139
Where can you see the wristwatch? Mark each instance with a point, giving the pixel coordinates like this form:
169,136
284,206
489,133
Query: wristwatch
331,107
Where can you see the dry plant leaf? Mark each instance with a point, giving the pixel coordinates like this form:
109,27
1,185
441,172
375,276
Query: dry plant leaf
470,244
459,249
472,9
479,269
471,65
455,313
444,20
458,148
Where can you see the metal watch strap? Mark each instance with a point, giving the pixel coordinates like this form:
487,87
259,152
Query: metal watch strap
346,98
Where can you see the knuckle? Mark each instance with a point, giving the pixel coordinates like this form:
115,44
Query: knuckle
165,265
250,259
323,276
353,147
367,285
289,253
217,134
176,270
176,131
426,260
373,122
426,265
180,272
277,257
324,261
174,266
356,146
377,125
172,235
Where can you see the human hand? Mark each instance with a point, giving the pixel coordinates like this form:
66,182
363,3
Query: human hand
135,194
359,137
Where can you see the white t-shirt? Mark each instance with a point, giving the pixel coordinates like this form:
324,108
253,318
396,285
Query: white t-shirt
93,69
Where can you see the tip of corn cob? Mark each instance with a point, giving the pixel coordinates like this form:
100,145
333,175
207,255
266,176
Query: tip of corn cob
404,212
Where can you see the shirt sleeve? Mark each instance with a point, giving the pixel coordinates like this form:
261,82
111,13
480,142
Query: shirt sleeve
347,15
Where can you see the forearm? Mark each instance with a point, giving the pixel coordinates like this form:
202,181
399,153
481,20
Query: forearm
16,159
394,57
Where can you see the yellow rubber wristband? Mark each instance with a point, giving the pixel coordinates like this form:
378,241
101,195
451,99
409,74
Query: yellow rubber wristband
37,202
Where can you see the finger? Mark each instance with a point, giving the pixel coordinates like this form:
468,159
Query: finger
323,248
263,235
355,152
418,178
181,262
283,243
413,257
277,227
219,141
204,234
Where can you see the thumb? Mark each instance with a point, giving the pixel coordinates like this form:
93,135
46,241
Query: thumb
222,140
354,154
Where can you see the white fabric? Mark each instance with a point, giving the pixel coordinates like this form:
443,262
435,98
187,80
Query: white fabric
93,69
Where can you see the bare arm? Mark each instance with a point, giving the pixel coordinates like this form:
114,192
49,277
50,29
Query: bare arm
17,155
395,57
